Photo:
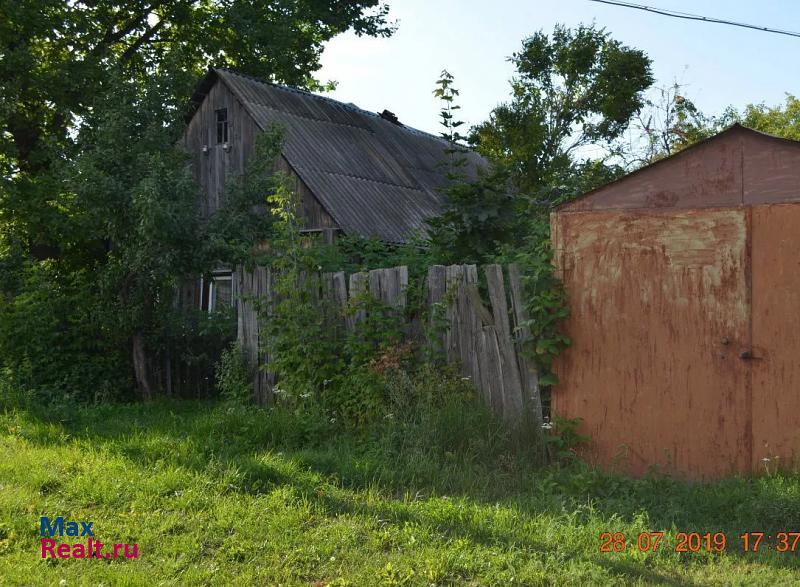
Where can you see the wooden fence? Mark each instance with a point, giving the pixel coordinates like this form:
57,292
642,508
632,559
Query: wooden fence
484,338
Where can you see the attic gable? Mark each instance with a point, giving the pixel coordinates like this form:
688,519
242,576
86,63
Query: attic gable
739,166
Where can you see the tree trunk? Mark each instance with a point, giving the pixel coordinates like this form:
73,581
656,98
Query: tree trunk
140,368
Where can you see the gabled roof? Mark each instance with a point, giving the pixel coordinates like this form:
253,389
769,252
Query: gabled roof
375,177
738,166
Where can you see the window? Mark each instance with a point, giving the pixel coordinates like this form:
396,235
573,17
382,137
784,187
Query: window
222,125
216,294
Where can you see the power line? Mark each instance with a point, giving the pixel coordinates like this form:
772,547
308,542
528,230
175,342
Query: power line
688,16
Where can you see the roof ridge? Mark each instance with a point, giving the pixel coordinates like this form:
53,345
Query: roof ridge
346,105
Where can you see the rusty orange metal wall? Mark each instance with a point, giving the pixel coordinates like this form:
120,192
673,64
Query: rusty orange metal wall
660,306
776,336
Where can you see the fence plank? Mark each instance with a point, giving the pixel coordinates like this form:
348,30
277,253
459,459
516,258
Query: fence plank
453,277
401,299
530,376
340,290
435,287
486,342
513,409
358,286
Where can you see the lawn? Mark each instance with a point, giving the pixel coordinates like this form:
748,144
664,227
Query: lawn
214,494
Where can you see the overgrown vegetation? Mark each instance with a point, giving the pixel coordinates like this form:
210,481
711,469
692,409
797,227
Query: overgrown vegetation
216,494
99,215
375,464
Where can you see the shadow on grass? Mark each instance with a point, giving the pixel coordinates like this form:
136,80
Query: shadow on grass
196,436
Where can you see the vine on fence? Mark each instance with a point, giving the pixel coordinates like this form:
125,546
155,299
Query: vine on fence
315,358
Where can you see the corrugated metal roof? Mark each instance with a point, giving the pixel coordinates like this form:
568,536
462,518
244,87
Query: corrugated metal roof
374,177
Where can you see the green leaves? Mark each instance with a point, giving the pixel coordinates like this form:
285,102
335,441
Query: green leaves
783,121
575,88
447,94
91,109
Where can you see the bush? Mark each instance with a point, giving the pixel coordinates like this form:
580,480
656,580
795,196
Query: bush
53,347
232,379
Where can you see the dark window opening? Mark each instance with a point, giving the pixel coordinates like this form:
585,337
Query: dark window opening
216,294
222,125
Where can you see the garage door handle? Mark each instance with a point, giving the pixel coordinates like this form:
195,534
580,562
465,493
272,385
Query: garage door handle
748,356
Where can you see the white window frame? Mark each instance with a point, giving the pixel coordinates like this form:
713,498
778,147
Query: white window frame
218,275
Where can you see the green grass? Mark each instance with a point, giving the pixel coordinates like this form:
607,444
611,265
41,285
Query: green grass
217,495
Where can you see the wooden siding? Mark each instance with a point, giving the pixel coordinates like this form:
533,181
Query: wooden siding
314,215
213,169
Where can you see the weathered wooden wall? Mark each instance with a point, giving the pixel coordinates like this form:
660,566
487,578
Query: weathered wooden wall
485,339
214,168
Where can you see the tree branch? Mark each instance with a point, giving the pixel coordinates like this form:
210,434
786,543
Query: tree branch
145,38
112,36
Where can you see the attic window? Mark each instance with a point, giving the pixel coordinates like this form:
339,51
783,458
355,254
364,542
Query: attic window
222,125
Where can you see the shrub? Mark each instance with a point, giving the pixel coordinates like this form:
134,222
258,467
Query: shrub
233,381
53,347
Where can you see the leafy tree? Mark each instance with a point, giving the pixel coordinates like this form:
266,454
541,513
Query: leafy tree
575,89
669,123
56,57
244,218
134,193
477,211
783,121
98,211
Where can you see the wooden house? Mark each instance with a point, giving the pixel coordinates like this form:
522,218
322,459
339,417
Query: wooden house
357,172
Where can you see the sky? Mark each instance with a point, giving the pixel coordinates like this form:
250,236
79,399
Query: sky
718,65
